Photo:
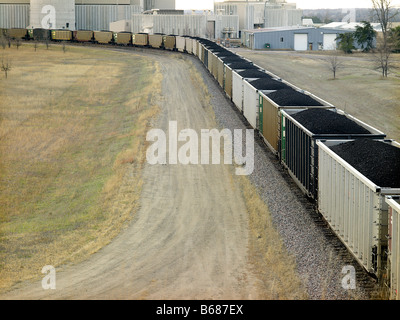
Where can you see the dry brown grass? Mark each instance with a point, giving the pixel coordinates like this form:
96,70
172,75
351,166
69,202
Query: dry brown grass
274,266
72,139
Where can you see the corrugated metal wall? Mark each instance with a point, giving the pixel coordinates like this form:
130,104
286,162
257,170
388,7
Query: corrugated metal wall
99,17
191,25
14,15
181,25
226,9
282,18
249,17
284,39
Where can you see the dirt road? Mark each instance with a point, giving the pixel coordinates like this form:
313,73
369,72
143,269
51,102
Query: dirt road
189,238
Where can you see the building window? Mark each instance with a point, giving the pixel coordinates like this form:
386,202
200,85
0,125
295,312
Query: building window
281,39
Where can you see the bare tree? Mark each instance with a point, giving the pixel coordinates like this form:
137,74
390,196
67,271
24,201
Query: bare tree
382,57
5,66
3,42
334,63
384,14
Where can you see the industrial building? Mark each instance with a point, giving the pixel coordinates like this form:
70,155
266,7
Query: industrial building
261,14
292,38
206,25
153,16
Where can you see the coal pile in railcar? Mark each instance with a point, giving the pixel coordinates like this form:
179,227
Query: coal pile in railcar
215,48
322,121
292,97
268,84
225,55
241,65
230,59
376,160
254,74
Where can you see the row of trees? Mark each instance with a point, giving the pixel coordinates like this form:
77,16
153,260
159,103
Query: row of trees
364,36
385,44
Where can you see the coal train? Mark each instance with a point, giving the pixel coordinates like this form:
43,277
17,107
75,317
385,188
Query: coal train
324,149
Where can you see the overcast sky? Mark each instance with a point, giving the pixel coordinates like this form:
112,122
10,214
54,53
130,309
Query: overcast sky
313,4
302,4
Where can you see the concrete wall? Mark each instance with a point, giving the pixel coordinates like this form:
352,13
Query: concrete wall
54,14
120,26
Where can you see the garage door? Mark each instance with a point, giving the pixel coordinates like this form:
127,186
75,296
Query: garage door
329,41
300,41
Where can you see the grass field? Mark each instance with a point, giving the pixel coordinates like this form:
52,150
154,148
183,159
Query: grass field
72,127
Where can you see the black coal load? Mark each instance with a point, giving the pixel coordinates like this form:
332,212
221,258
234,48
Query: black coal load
205,42
216,50
230,59
322,121
268,84
40,34
377,161
226,53
253,74
241,65
292,97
